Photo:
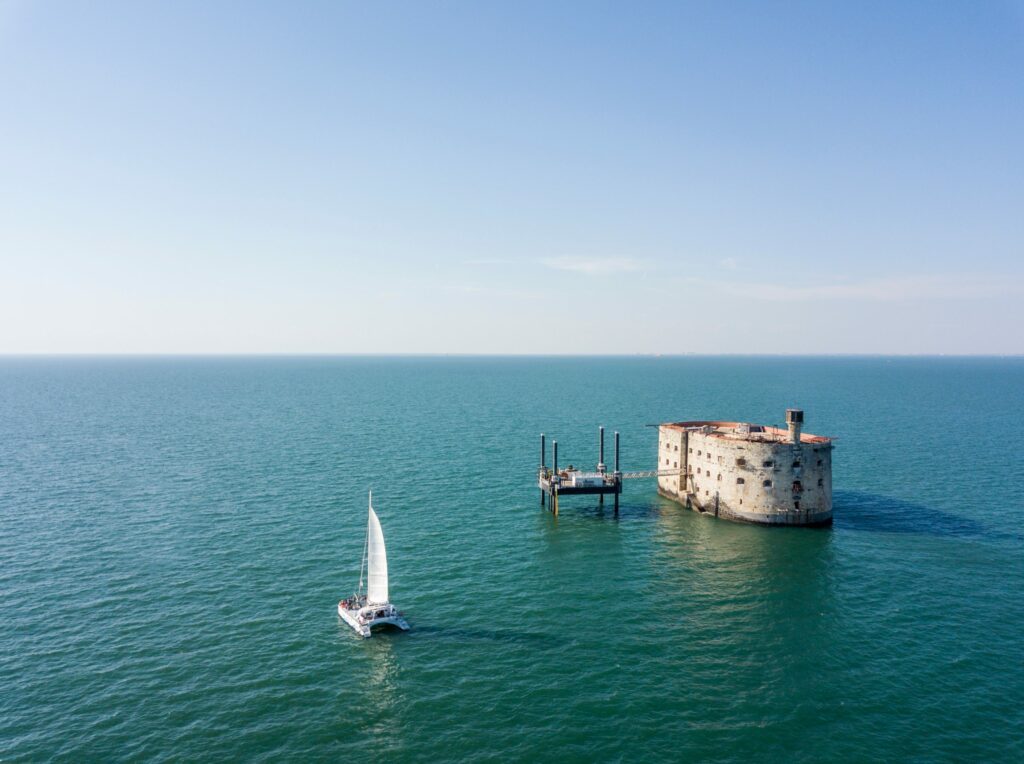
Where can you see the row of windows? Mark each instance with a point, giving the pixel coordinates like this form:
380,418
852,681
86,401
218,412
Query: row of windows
797,486
742,462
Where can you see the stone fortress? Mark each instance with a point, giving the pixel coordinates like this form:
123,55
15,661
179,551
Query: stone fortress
747,472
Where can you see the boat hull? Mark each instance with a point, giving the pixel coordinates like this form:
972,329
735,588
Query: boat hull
364,628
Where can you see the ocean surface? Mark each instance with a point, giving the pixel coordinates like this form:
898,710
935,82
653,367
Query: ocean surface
175,534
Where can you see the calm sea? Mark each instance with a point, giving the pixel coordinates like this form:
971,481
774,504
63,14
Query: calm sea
175,534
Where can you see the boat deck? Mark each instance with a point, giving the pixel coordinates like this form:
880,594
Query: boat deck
385,615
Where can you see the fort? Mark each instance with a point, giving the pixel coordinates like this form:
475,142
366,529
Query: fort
747,472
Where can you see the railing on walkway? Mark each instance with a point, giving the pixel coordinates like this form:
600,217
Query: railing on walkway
650,474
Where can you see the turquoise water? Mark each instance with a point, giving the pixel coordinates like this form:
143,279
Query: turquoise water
176,534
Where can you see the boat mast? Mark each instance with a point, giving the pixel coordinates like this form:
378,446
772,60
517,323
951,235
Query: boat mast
366,545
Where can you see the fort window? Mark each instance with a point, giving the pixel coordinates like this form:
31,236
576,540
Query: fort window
740,481
821,482
677,448
741,462
796,465
675,464
691,451
768,463
797,486
819,462
666,462
796,505
719,477
698,452
767,483
709,473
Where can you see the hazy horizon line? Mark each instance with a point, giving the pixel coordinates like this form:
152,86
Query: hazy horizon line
332,354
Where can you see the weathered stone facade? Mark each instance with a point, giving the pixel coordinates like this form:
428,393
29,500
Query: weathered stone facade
750,473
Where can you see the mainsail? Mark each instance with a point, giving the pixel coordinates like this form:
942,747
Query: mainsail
377,562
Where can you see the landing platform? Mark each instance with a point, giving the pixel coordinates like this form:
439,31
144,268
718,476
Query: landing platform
578,483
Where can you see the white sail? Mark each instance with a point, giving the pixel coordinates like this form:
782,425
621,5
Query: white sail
376,562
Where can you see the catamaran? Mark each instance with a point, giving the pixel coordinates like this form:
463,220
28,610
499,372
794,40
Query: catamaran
367,610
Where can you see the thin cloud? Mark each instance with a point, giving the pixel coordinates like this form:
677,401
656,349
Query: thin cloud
877,290
492,291
593,266
489,261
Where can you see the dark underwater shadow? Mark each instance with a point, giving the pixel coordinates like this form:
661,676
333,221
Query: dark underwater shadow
862,511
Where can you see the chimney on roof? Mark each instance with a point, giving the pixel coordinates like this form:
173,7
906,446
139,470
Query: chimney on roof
795,420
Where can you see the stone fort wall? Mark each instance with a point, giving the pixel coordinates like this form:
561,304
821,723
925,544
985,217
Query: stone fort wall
757,481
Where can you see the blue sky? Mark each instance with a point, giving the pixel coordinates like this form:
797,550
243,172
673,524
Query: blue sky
512,178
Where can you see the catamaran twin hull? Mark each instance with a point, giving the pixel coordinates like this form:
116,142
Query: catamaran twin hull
367,618
368,609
